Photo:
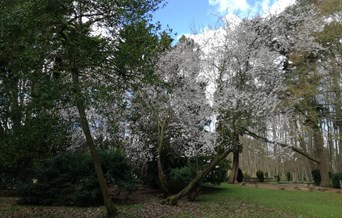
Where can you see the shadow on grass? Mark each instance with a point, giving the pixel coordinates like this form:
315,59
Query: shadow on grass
211,189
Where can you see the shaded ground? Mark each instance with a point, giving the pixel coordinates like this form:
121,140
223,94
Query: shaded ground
146,203
143,203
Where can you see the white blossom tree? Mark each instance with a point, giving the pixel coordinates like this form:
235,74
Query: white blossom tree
171,116
248,66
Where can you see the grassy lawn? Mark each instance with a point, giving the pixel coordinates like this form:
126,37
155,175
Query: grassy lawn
242,201
220,201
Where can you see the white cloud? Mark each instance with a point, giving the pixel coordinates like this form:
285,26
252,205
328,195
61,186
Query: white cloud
243,8
279,6
230,5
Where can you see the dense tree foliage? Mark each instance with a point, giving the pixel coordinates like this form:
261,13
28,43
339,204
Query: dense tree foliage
73,44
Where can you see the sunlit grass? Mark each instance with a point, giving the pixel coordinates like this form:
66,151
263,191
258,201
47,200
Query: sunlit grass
242,201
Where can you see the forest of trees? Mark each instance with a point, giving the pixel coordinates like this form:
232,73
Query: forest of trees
92,75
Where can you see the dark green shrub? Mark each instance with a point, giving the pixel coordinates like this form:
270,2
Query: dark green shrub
316,175
260,176
219,174
181,176
336,180
70,179
289,176
239,177
277,178
117,170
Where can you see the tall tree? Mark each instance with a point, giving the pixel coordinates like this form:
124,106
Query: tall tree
28,96
81,39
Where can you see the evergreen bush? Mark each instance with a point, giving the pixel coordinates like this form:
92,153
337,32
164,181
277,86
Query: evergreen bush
335,180
239,177
69,179
219,174
289,176
179,177
316,175
260,176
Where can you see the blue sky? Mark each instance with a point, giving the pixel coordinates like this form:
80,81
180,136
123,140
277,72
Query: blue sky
191,16
184,15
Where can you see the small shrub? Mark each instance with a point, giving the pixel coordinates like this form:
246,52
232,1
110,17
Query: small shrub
316,175
219,174
289,176
69,179
260,176
336,180
239,177
179,177
277,178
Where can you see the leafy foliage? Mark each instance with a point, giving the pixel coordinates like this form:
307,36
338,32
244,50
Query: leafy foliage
181,176
41,137
69,179
316,175
336,180
288,176
260,175
240,176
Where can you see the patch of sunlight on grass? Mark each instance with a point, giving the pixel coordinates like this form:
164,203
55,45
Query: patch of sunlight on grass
242,201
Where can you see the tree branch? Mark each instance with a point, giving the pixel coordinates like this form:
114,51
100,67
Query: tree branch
299,151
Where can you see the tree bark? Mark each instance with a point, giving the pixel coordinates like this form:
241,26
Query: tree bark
111,209
323,165
173,200
161,174
235,167
338,124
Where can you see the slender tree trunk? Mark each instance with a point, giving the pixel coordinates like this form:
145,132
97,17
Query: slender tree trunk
14,105
193,185
338,114
111,209
235,167
331,161
161,174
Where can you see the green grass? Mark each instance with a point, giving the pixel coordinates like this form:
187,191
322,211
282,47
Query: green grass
234,201
242,201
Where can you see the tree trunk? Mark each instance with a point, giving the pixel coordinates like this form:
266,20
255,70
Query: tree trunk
235,168
338,114
161,174
15,110
193,185
111,209
323,165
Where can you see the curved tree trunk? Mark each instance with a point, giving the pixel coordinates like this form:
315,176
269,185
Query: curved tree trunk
111,209
193,185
